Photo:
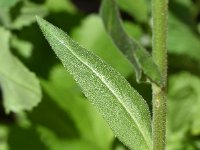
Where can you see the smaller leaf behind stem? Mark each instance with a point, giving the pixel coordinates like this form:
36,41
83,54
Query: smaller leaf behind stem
136,54
122,107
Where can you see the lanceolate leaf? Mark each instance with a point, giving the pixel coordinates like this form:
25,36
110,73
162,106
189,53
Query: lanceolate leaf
21,89
121,106
139,57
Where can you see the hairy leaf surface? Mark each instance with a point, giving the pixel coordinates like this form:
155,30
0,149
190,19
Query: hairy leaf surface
122,107
138,56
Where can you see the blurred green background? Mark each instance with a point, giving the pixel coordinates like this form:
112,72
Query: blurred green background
63,119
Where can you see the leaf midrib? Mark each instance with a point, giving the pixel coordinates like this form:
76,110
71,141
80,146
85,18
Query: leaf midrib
104,82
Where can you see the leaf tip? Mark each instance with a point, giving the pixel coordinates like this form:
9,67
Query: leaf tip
39,20
42,23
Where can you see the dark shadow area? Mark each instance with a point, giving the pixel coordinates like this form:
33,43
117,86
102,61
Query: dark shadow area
5,118
93,6
183,13
178,63
117,144
144,89
42,58
87,6
16,10
194,140
198,16
65,21
24,139
38,1
51,116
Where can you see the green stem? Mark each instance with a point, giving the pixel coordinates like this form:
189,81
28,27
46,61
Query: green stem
159,12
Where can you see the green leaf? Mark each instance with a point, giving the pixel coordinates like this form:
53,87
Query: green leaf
5,6
184,94
23,48
53,142
60,5
136,8
183,110
27,14
24,139
5,19
133,30
56,128
122,107
188,40
21,15
21,89
4,137
137,55
97,40
65,93
8,3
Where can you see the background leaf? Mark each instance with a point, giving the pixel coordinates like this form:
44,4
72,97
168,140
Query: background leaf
8,3
178,29
27,14
21,89
5,6
60,5
23,48
183,111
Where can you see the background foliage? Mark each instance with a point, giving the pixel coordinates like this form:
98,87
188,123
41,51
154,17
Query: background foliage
42,108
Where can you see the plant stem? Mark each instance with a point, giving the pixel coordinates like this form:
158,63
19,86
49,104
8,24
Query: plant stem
159,12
